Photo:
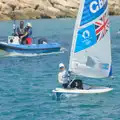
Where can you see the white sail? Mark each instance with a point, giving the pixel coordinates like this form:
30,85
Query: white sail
91,46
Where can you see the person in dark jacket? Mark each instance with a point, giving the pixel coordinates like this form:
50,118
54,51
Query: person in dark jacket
20,29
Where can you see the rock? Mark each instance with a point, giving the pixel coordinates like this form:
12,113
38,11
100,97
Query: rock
5,9
31,13
4,17
34,9
19,15
114,7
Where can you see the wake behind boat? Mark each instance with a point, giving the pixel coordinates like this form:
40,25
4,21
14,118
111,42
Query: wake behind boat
13,46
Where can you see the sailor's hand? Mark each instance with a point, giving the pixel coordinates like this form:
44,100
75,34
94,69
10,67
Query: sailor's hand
69,72
21,37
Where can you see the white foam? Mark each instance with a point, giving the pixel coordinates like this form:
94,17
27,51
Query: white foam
62,50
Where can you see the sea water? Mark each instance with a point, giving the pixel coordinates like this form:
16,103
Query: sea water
26,82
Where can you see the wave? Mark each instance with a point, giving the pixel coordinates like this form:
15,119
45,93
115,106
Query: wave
32,55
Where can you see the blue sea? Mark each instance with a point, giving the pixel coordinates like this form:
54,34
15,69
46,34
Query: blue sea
26,83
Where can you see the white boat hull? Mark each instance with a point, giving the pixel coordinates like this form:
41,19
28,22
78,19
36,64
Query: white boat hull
86,90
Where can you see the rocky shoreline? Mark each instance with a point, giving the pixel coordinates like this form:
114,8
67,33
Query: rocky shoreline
35,9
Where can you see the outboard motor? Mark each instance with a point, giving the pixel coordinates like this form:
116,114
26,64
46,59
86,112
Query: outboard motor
42,41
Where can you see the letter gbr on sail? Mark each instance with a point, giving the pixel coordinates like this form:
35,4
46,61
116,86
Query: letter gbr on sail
91,46
96,6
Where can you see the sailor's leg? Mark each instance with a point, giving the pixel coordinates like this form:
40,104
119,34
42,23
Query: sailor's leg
23,41
28,41
65,85
72,85
77,84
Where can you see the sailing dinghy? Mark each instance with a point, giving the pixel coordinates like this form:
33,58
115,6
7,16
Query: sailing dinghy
91,46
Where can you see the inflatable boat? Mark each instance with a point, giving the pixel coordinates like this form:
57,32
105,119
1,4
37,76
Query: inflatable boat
13,46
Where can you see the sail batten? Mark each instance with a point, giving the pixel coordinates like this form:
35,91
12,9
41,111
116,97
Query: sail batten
91,46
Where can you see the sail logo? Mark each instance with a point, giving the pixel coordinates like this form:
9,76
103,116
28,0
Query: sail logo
104,66
95,6
86,34
86,38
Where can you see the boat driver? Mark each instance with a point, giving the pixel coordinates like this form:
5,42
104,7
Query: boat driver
63,76
20,29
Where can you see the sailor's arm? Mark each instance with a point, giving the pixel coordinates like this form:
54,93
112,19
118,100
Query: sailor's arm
24,35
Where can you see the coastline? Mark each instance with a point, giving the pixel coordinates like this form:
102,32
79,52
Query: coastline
48,9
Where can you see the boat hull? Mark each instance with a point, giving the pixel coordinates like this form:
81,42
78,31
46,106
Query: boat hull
87,89
30,49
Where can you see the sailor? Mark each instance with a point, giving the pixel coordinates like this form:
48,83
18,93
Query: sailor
63,76
27,37
20,29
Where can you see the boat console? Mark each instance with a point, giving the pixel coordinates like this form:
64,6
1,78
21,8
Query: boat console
13,40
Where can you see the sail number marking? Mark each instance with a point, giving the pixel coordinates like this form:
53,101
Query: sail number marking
95,6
